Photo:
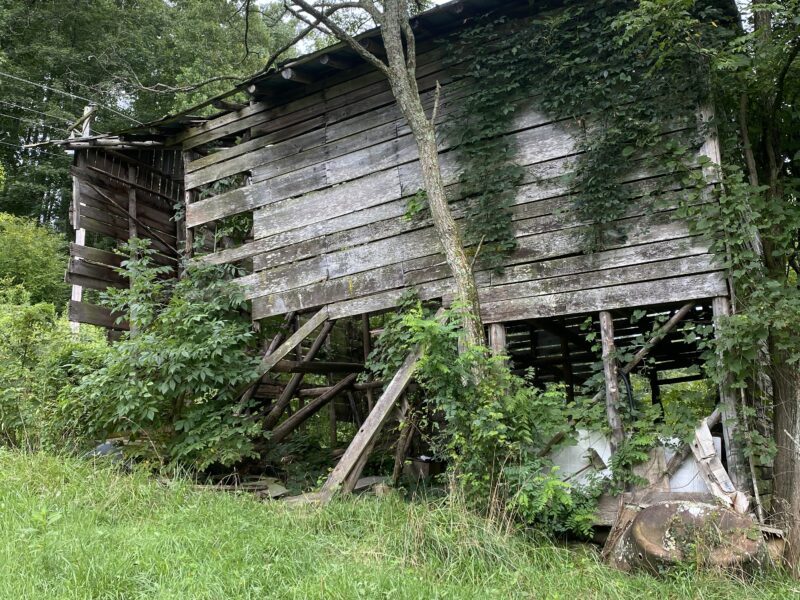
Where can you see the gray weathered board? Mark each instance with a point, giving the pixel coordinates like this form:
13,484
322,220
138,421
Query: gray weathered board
329,176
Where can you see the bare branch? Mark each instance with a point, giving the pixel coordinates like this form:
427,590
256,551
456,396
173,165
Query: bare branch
324,18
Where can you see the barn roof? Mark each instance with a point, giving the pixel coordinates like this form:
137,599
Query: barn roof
283,78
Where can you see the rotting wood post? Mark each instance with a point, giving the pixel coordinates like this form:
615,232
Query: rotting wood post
188,198
569,384
80,232
611,378
297,378
730,423
133,229
497,339
310,409
366,338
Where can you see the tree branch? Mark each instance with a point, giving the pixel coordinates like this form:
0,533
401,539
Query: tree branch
324,18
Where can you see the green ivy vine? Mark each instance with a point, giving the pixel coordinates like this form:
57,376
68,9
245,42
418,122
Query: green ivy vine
630,110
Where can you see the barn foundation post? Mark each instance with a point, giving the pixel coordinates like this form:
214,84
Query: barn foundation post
611,377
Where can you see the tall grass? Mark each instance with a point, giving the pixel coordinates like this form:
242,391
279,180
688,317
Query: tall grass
70,529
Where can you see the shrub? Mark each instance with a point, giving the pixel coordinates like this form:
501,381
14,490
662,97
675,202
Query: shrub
38,357
34,257
169,387
495,424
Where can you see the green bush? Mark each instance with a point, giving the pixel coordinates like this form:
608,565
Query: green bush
170,386
38,357
495,424
34,257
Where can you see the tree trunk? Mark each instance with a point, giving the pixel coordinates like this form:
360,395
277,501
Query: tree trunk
402,78
786,421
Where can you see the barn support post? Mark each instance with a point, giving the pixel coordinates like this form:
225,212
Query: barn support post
80,232
730,423
366,338
297,378
611,377
188,198
497,339
133,228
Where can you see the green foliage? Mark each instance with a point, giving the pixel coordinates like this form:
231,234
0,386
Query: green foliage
170,385
38,358
34,257
495,423
142,58
607,89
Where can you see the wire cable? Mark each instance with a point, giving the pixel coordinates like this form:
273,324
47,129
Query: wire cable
68,121
70,95
39,123
23,148
44,114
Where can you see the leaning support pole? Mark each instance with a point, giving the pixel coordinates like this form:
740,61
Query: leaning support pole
611,377
298,336
288,392
371,427
310,409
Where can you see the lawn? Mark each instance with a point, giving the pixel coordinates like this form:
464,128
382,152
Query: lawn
71,529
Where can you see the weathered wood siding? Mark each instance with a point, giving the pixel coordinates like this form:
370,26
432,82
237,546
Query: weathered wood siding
119,194
330,175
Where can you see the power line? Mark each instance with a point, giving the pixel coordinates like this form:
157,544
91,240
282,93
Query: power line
38,112
70,95
18,147
39,123
68,121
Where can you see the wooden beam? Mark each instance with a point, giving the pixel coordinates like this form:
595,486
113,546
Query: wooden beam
81,312
658,336
497,339
612,383
270,361
310,409
296,76
335,63
372,425
288,393
730,422
133,229
317,367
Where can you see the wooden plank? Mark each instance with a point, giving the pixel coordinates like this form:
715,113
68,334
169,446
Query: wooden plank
418,249
95,271
298,336
333,290
372,425
88,253
662,291
82,312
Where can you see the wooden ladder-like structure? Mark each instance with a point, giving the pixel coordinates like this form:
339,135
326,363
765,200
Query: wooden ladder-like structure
344,476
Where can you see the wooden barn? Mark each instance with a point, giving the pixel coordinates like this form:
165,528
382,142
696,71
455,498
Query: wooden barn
317,170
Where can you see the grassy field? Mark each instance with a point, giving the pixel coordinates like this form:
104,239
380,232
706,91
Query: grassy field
74,530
